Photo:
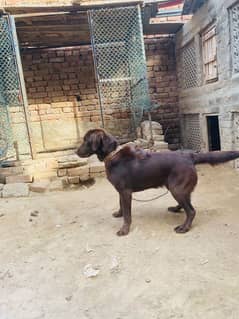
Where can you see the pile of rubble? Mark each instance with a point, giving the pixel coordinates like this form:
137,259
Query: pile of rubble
50,174
150,136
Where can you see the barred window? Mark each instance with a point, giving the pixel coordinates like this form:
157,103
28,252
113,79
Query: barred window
209,54
234,24
191,132
187,70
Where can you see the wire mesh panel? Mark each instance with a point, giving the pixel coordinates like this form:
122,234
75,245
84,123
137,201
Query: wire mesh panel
119,56
11,105
191,133
188,67
234,21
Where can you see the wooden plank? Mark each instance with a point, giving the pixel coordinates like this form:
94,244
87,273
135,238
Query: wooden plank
53,28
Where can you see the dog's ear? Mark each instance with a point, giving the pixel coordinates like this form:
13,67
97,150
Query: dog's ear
109,143
96,141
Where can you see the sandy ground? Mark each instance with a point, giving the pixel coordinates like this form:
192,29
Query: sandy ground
153,273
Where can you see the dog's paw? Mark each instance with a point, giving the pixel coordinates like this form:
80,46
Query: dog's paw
181,229
123,231
117,214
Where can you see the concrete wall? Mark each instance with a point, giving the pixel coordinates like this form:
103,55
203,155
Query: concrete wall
221,97
63,100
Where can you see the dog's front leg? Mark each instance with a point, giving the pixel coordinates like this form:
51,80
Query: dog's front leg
125,202
118,213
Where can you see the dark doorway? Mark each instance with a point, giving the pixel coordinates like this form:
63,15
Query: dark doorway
214,143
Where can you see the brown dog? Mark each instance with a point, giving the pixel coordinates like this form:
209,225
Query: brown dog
132,169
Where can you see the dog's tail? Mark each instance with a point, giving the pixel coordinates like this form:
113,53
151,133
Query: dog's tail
215,158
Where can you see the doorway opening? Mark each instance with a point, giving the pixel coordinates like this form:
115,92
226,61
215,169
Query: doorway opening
214,142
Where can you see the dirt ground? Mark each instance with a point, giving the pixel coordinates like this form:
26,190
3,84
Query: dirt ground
153,273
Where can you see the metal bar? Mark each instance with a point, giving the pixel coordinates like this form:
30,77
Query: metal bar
142,44
22,83
39,14
89,14
126,79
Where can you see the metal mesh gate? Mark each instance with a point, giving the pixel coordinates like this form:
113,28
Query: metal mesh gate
120,65
191,133
10,98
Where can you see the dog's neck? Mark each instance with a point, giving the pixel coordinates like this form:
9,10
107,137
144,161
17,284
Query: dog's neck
113,153
103,154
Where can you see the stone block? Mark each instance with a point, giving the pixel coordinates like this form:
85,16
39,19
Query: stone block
56,185
160,146
39,186
97,168
61,172
19,179
65,182
93,159
158,138
7,171
100,174
72,161
85,177
146,130
78,171
38,176
74,180
141,143
15,190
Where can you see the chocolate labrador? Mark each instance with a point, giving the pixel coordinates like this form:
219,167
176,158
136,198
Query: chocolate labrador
132,169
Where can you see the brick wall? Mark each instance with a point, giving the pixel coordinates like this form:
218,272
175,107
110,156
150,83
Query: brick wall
163,87
62,95
61,83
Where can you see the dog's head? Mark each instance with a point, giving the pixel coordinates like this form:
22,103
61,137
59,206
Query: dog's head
97,142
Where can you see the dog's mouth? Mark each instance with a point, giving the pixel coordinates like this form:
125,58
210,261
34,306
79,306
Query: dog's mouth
83,154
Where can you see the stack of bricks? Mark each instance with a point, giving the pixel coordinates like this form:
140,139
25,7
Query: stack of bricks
48,175
163,86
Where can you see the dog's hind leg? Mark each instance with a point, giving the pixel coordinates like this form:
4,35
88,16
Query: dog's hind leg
190,214
181,186
175,209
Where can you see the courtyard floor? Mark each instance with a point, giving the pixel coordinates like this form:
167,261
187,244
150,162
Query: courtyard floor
47,243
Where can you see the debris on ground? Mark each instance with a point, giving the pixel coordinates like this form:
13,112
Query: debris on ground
1,215
35,213
115,266
68,298
204,262
6,274
90,271
88,249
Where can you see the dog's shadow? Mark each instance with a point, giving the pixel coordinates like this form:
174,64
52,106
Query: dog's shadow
144,215
151,215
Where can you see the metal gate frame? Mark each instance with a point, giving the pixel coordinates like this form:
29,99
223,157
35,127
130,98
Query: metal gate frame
137,83
10,21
